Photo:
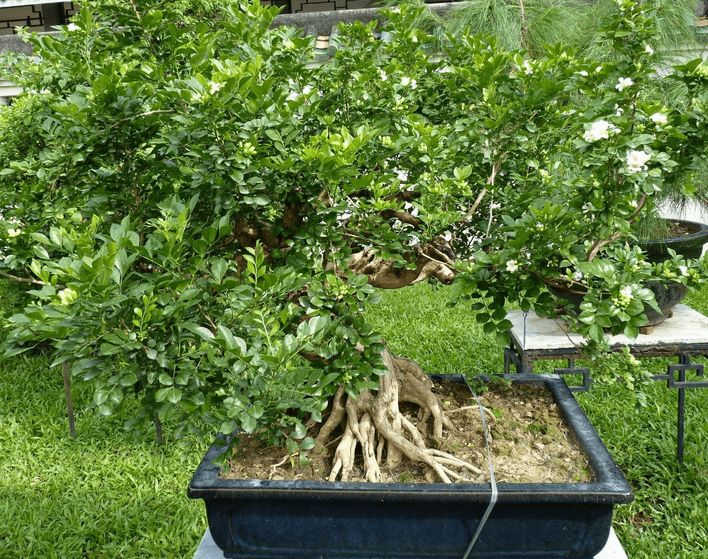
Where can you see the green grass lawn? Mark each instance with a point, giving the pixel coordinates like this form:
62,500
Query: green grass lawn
107,495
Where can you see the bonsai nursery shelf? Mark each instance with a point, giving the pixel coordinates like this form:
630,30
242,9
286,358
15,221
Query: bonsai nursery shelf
260,519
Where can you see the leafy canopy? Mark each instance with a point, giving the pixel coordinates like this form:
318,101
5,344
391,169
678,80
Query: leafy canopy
204,203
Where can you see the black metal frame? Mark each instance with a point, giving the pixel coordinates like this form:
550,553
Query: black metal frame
523,363
36,18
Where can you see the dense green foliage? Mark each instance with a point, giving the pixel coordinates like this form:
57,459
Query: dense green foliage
199,187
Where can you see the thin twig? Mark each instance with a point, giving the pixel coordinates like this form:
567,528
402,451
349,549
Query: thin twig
524,24
140,115
491,218
135,9
69,400
21,280
483,192
599,245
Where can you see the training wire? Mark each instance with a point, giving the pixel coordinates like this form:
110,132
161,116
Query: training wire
492,478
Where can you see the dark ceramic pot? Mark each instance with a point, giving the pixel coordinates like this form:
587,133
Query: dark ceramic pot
667,297
690,246
260,519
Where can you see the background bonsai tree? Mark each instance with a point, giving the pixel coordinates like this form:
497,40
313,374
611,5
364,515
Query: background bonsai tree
206,209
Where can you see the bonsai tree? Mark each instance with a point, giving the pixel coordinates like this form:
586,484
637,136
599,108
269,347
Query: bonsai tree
205,209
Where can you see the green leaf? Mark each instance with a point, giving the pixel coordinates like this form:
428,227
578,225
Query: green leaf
307,443
171,394
596,333
105,409
100,396
218,269
248,423
203,333
40,252
300,431
232,342
165,379
128,379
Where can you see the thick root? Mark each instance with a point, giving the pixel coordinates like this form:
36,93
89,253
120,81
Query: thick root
374,424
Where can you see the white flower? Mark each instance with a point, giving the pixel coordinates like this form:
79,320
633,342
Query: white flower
648,50
659,118
306,90
582,73
383,75
512,266
619,111
444,70
599,130
494,206
406,82
401,174
598,69
14,232
72,27
624,83
67,296
214,87
292,96
447,236
626,292
577,276
636,160
683,270
528,69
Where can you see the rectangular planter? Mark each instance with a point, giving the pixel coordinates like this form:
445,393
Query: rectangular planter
259,519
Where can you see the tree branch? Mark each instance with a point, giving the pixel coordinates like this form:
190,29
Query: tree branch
600,244
19,279
117,123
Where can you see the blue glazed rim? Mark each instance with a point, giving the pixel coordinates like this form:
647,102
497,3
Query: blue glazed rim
608,487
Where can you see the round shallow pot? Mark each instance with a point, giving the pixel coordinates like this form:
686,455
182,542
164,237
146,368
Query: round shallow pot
261,519
667,297
690,246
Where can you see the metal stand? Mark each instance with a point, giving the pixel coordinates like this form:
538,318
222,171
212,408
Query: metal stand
534,338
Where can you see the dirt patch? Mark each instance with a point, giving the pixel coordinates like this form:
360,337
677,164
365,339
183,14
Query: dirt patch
530,442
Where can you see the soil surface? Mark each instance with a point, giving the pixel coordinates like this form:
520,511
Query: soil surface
676,229
529,440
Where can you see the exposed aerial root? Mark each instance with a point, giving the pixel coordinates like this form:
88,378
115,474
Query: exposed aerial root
374,428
